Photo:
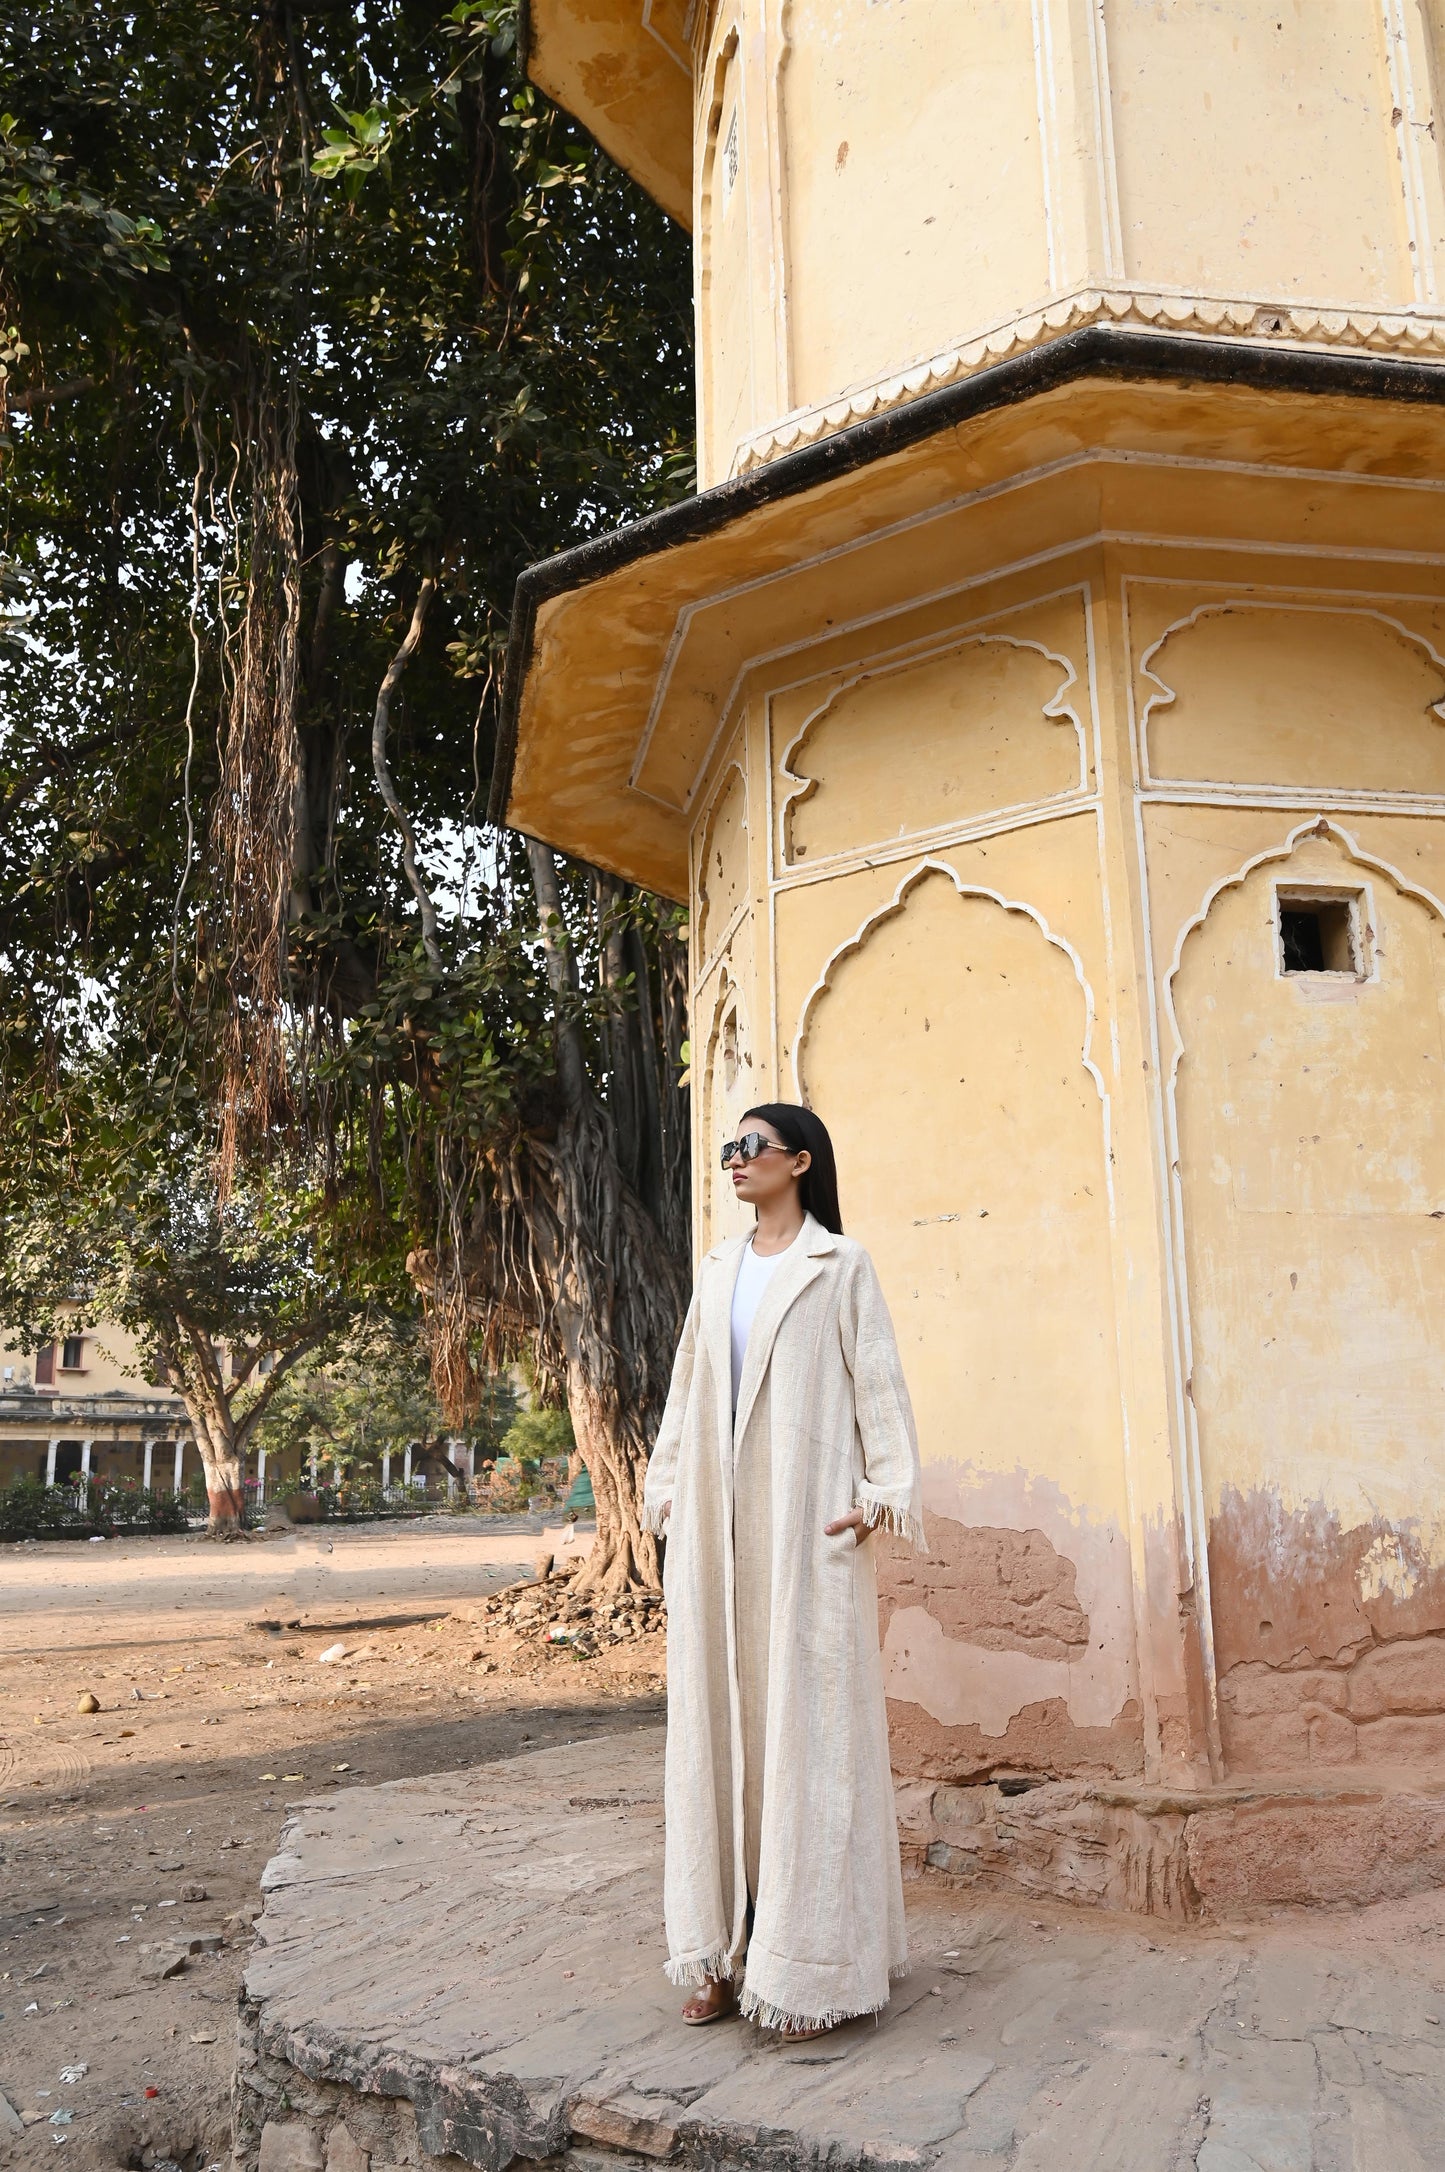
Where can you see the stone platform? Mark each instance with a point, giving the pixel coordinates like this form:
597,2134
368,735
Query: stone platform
465,1970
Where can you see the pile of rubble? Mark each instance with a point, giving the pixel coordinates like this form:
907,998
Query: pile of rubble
552,1611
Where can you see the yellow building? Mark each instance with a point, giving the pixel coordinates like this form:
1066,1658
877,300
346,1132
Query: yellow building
1042,707
79,1407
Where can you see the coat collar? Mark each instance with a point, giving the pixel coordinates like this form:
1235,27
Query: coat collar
801,1264
817,1242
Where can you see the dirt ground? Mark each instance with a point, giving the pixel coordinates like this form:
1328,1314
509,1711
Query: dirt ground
128,1834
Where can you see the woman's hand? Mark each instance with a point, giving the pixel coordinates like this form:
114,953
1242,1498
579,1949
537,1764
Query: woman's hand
855,1521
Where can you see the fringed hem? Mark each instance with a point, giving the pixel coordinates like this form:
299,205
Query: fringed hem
692,1975
654,1515
768,2016
898,1518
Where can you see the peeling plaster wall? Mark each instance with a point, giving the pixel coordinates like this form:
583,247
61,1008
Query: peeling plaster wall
1009,1648
952,1015
1312,1153
991,880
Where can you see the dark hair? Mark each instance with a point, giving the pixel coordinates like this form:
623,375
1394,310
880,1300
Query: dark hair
804,1132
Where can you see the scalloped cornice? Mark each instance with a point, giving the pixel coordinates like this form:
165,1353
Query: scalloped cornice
1417,333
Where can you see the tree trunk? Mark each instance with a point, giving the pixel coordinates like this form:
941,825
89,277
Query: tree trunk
616,1302
616,1285
624,1557
225,1496
209,1410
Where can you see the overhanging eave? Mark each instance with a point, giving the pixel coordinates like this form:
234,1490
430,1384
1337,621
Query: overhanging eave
623,651
621,68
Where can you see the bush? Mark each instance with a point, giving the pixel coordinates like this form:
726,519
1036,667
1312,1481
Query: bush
31,1510
357,1499
534,1434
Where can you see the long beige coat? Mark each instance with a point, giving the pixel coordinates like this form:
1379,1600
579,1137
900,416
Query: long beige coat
777,1742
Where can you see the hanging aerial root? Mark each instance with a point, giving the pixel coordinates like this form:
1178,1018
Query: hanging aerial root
254,825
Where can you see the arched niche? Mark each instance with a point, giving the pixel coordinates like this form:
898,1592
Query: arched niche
1257,693
724,254
947,1048
931,744
1309,1115
727,1088
722,861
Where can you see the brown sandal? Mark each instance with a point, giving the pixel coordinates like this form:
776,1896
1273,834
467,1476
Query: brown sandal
716,2001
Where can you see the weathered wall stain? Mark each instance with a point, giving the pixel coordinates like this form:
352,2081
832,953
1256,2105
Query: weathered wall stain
1006,1590
1292,1587
1039,1739
1009,1646
1312,1161
1331,1642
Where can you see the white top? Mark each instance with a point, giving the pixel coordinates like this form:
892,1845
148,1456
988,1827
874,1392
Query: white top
755,1271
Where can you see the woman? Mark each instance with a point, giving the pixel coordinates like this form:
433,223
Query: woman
787,1438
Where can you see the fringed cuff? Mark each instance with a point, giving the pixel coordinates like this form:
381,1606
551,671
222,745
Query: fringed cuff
894,1510
719,1967
654,1514
770,2016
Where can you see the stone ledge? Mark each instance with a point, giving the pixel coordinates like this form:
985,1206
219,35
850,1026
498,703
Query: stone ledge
1185,1854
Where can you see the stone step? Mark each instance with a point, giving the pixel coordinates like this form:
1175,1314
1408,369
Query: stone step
1226,1852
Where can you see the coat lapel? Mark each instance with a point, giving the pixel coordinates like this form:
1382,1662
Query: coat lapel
803,1264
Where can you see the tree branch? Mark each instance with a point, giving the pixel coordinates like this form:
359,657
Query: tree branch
42,396
561,968
387,789
312,1340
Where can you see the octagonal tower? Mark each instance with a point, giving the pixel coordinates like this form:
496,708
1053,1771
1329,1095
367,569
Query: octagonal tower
1042,708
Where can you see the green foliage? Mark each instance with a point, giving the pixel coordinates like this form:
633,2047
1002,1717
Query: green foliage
31,1510
535,1434
130,1232
307,316
481,331
358,1500
373,1398
114,1220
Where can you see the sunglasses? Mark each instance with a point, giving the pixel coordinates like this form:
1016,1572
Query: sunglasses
750,1146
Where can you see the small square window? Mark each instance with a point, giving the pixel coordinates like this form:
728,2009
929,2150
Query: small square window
72,1354
1321,931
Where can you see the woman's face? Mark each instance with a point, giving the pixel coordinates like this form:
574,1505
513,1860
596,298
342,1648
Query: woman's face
767,1181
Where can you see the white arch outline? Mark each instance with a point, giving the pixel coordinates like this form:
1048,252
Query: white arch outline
1220,608
1320,825
1056,709
727,990
707,956
895,905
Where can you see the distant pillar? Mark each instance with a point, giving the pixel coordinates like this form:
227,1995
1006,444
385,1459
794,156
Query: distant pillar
51,1447
148,1450
471,1453
406,1467
385,1468
180,1461
85,1448
260,1474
